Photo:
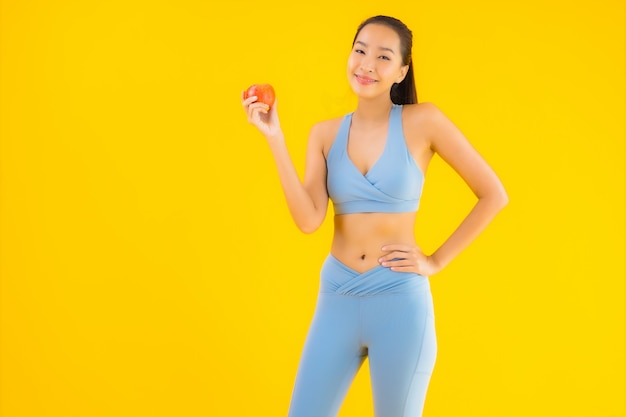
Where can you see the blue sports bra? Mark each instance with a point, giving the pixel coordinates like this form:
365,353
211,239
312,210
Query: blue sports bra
392,185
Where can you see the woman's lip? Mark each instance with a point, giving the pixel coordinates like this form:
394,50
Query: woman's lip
364,80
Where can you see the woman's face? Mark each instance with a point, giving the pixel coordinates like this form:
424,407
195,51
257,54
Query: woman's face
375,62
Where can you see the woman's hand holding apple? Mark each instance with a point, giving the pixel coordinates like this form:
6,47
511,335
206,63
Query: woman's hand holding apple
262,114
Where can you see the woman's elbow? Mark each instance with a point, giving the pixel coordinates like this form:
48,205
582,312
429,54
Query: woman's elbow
307,230
308,227
505,199
496,198
501,198
310,224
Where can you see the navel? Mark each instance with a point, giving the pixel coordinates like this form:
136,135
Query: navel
362,256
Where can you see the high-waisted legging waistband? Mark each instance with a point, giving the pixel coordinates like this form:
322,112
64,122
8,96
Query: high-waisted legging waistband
338,278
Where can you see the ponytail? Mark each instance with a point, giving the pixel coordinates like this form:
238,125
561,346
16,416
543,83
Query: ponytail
405,92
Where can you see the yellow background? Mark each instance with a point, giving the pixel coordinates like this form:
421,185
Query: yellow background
149,264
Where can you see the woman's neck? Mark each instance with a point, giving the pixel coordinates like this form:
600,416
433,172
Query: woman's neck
372,112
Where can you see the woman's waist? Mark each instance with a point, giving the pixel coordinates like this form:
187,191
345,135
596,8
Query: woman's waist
374,223
358,238
362,257
362,253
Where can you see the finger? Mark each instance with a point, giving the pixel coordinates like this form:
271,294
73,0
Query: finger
272,110
252,111
395,255
409,268
256,108
398,262
273,114
249,100
262,107
396,247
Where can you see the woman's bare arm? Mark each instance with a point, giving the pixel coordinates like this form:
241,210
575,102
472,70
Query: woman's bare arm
307,200
448,141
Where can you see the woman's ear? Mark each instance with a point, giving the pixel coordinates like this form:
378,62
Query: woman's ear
403,71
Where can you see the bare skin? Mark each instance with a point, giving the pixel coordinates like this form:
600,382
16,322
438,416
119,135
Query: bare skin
365,240
358,238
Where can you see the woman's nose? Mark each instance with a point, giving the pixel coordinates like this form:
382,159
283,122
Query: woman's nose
366,65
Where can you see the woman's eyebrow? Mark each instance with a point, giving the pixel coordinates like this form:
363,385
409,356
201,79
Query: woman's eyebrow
380,47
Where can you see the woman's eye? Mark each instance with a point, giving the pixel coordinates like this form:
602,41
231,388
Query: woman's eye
359,51
384,57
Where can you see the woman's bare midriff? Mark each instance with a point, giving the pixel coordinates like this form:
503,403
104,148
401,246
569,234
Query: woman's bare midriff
359,237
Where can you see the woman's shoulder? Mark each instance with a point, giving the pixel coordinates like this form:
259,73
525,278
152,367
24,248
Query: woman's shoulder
328,125
325,131
423,109
426,116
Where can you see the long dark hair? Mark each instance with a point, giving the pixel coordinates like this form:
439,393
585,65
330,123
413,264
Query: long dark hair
403,92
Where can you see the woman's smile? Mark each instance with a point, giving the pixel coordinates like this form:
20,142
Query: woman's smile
363,80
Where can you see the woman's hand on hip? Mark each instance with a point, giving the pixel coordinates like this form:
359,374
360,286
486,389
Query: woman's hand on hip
408,258
262,116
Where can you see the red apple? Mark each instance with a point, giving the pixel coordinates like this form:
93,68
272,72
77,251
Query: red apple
264,92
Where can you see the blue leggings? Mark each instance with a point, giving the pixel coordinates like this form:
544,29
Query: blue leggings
381,314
